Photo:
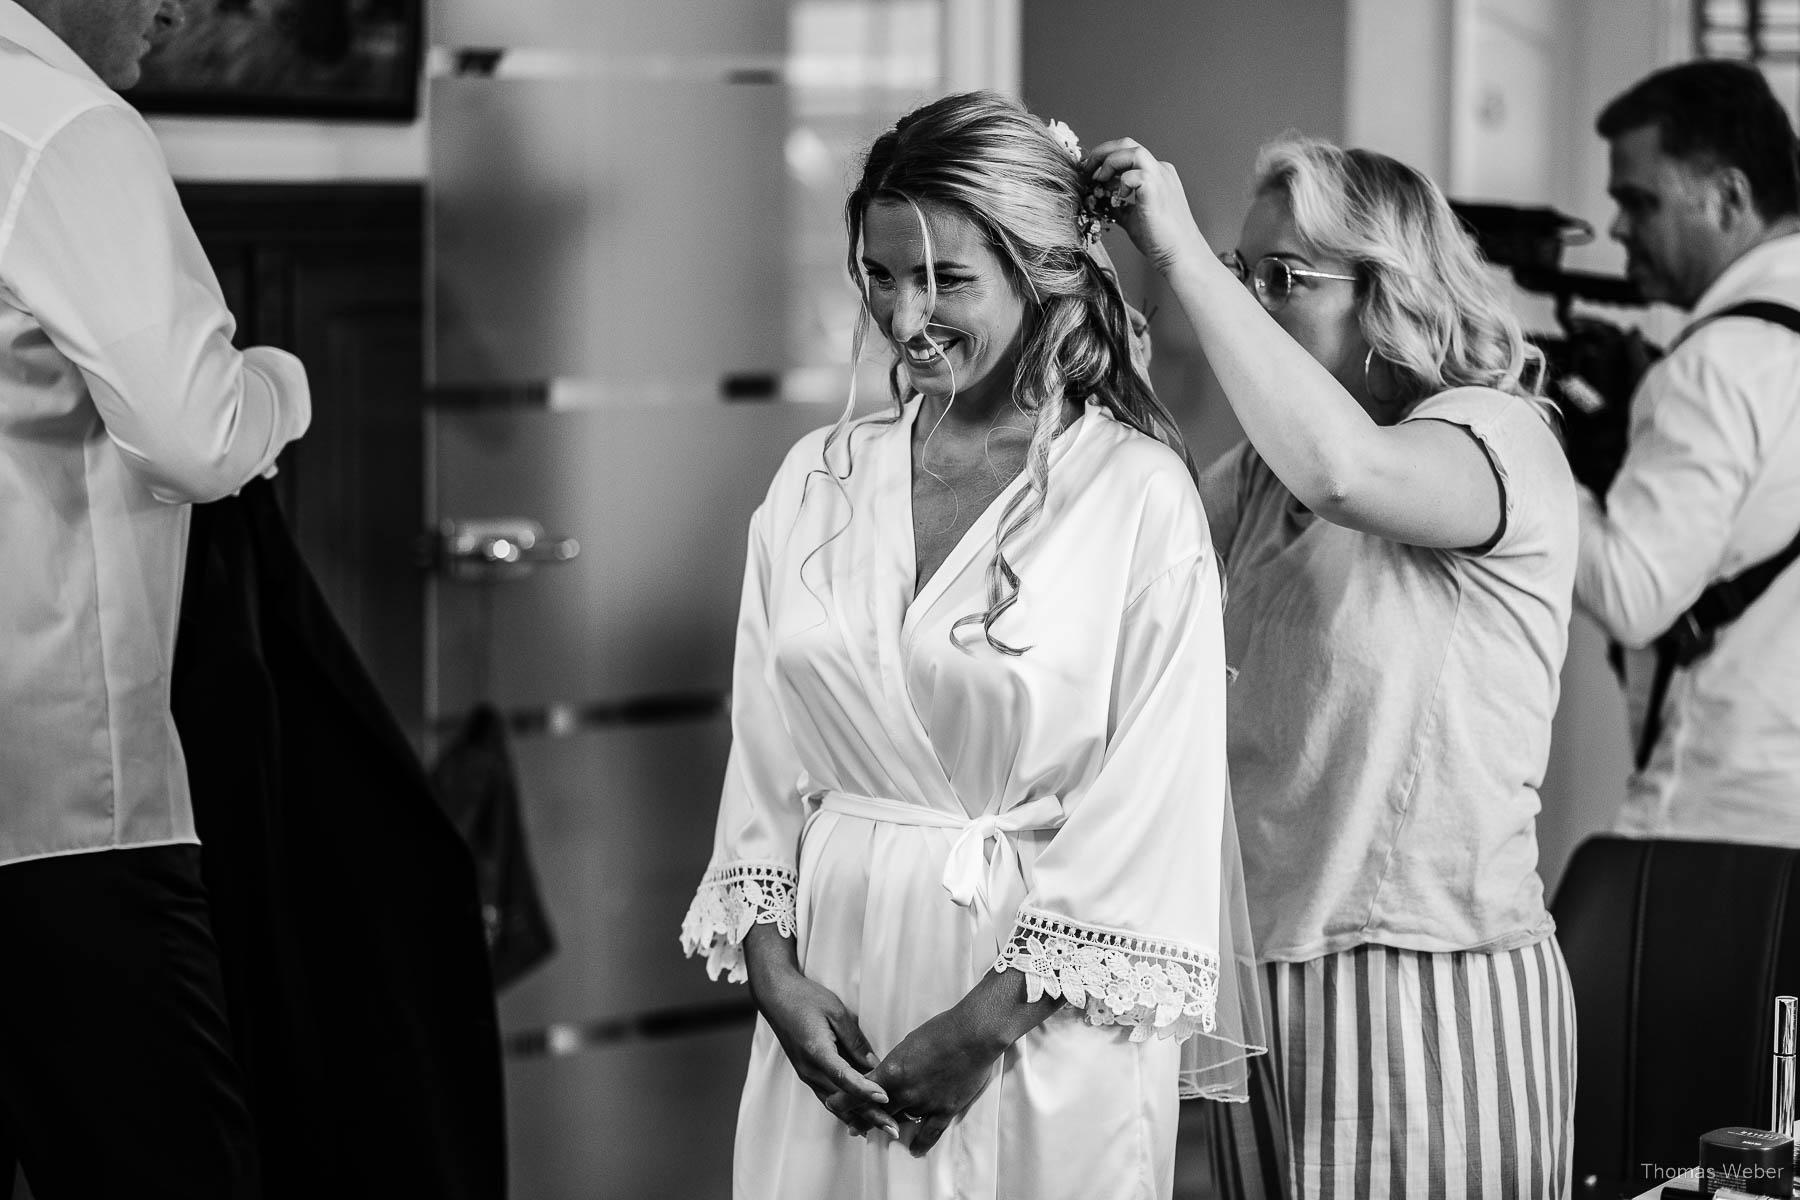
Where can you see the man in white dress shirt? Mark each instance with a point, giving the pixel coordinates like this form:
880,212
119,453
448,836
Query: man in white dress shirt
1703,173
122,402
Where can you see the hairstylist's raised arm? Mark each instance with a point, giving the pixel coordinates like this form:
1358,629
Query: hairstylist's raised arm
1421,482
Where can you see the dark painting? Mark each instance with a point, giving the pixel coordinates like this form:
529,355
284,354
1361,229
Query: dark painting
311,58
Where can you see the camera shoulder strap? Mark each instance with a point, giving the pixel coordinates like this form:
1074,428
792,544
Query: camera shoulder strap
1725,600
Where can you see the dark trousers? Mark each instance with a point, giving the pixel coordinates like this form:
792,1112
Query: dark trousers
116,1071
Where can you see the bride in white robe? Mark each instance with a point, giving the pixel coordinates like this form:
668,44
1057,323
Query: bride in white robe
947,829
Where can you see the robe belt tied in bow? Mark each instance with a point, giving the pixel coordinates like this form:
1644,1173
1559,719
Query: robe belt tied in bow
966,868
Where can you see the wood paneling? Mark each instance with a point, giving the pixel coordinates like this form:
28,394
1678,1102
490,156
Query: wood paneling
335,273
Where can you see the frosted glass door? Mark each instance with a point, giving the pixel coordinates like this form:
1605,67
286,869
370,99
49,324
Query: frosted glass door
639,303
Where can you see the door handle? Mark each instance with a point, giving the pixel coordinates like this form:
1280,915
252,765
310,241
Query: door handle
496,548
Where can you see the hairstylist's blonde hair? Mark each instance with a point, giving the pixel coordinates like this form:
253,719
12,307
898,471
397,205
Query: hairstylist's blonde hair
1425,299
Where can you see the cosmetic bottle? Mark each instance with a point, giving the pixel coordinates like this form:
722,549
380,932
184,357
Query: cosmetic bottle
1747,1160
1781,1098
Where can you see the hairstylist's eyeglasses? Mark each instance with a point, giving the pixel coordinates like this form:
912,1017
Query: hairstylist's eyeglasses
1273,278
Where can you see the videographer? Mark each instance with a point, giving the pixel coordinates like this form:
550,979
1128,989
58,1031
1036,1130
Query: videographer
1689,548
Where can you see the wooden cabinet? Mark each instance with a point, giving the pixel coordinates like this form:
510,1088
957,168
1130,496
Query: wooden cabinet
335,274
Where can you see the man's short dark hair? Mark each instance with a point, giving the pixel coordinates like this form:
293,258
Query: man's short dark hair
1718,112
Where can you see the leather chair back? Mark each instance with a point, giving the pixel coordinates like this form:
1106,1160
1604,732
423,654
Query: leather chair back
1676,951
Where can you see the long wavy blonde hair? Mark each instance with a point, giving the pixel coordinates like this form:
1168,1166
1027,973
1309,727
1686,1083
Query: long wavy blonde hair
981,156
1425,300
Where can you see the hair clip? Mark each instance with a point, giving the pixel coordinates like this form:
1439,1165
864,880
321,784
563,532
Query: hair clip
1099,207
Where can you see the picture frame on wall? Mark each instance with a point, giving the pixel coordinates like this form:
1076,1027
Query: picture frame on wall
353,59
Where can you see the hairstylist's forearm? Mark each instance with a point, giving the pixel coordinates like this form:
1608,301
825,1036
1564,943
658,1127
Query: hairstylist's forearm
1310,431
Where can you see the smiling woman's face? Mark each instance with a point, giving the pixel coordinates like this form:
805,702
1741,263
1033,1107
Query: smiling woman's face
969,343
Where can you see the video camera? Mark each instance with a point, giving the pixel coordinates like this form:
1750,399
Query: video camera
1593,365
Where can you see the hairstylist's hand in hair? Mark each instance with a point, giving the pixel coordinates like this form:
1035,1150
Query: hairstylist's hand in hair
817,1032
1148,202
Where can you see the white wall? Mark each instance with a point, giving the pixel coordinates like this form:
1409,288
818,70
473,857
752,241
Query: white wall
1397,81
1202,84
1617,42
216,149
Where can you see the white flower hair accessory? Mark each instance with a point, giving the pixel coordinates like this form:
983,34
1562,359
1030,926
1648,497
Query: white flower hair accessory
1065,137
1098,209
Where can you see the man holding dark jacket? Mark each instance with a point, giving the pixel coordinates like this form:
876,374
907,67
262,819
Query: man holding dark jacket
122,402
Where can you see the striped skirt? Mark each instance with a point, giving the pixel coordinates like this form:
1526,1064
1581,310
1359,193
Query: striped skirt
1403,1074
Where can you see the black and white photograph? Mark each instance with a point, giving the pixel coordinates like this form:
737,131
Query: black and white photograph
297,58
899,599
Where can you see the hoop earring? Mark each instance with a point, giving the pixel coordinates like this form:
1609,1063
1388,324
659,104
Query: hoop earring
1369,382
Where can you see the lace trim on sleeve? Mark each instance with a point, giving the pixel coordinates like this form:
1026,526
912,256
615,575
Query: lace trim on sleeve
1162,988
731,899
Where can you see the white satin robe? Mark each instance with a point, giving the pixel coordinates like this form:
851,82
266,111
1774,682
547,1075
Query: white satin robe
847,682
